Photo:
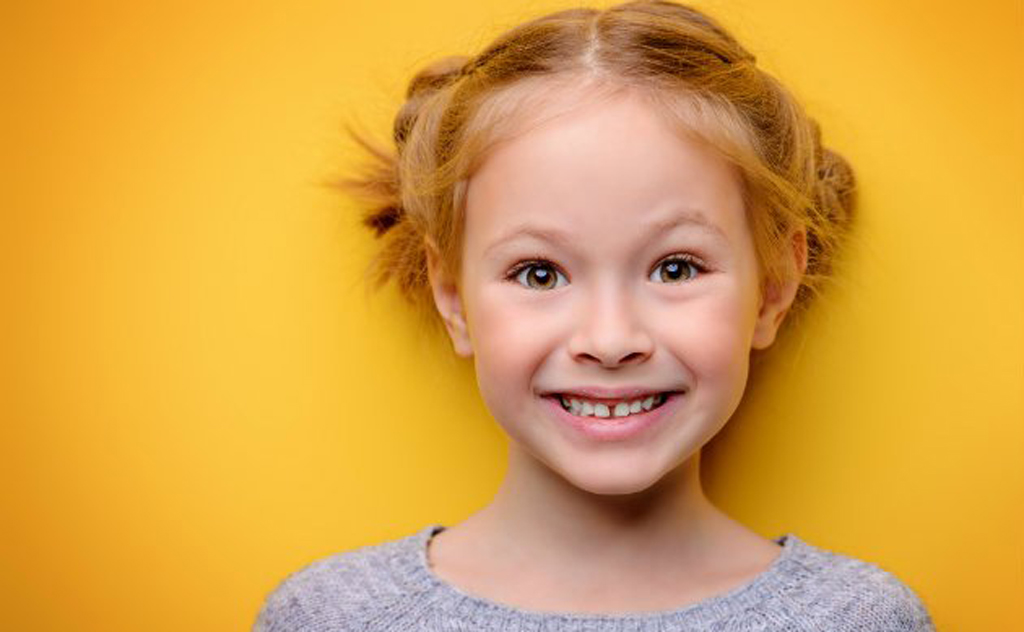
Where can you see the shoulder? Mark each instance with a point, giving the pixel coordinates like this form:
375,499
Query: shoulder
840,592
343,592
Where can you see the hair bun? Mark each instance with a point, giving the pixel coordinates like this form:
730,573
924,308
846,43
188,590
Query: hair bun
837,181
834,193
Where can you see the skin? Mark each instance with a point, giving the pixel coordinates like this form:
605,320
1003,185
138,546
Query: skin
580,525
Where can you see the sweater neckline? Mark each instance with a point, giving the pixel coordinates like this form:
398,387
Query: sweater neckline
476,608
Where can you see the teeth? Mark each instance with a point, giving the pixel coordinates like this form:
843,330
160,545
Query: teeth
583,408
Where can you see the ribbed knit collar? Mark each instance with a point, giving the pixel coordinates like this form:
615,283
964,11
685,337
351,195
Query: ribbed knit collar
414,566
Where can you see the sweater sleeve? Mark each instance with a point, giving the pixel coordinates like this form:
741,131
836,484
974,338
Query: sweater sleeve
891,606
303,603
283,611
910,611
332,594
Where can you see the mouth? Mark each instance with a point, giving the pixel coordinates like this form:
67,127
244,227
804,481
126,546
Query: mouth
580,406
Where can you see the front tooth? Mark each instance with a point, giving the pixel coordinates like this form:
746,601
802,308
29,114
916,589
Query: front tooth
621,409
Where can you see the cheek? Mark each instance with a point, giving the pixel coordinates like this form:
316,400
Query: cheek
716,334
501,328
510,341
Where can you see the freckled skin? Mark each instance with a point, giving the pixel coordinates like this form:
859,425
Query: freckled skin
603,175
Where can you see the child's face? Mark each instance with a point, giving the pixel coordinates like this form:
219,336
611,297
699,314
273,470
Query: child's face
613,301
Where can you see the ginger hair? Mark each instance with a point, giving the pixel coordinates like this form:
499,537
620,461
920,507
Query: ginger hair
684,62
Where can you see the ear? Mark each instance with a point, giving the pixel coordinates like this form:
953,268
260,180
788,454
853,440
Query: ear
448,301
776,298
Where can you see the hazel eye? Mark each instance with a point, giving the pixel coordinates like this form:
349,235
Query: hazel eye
536,275
676,268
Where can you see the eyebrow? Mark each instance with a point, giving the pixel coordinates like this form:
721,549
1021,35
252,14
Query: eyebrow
689,217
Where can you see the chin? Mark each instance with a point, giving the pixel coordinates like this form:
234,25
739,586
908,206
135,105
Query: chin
614,487
611,481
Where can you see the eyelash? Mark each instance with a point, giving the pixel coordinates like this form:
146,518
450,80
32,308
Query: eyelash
685,258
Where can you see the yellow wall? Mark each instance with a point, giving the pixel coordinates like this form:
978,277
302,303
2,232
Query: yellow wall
203,398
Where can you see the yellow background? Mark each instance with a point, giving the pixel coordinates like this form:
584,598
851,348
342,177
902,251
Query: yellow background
202,397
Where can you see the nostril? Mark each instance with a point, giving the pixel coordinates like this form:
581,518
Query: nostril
631,356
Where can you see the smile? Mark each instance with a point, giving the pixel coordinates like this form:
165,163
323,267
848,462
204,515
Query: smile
589,408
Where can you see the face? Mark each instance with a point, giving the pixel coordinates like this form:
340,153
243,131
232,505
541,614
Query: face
608,258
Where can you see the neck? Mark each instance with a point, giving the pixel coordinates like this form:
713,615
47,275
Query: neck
538,515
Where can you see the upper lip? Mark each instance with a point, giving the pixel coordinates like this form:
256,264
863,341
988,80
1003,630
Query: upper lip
602,392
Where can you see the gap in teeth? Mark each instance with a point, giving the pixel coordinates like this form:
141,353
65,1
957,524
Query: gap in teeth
584,408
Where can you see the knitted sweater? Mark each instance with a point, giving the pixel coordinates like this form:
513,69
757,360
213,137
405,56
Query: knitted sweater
391,587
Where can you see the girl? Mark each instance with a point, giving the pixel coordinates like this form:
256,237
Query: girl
609,211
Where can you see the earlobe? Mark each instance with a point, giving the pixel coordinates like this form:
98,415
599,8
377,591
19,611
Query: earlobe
448,302
778,297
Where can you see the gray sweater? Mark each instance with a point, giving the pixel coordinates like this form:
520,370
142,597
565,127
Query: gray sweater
389,586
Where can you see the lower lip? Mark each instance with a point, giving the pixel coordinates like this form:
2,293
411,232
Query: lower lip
614,428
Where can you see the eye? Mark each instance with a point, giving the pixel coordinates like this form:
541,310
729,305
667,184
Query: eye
536,275
677,268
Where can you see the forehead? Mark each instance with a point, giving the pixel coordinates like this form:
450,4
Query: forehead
600,161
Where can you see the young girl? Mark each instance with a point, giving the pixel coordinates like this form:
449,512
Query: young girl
609,211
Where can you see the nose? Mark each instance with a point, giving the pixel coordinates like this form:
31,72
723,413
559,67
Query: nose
611,331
